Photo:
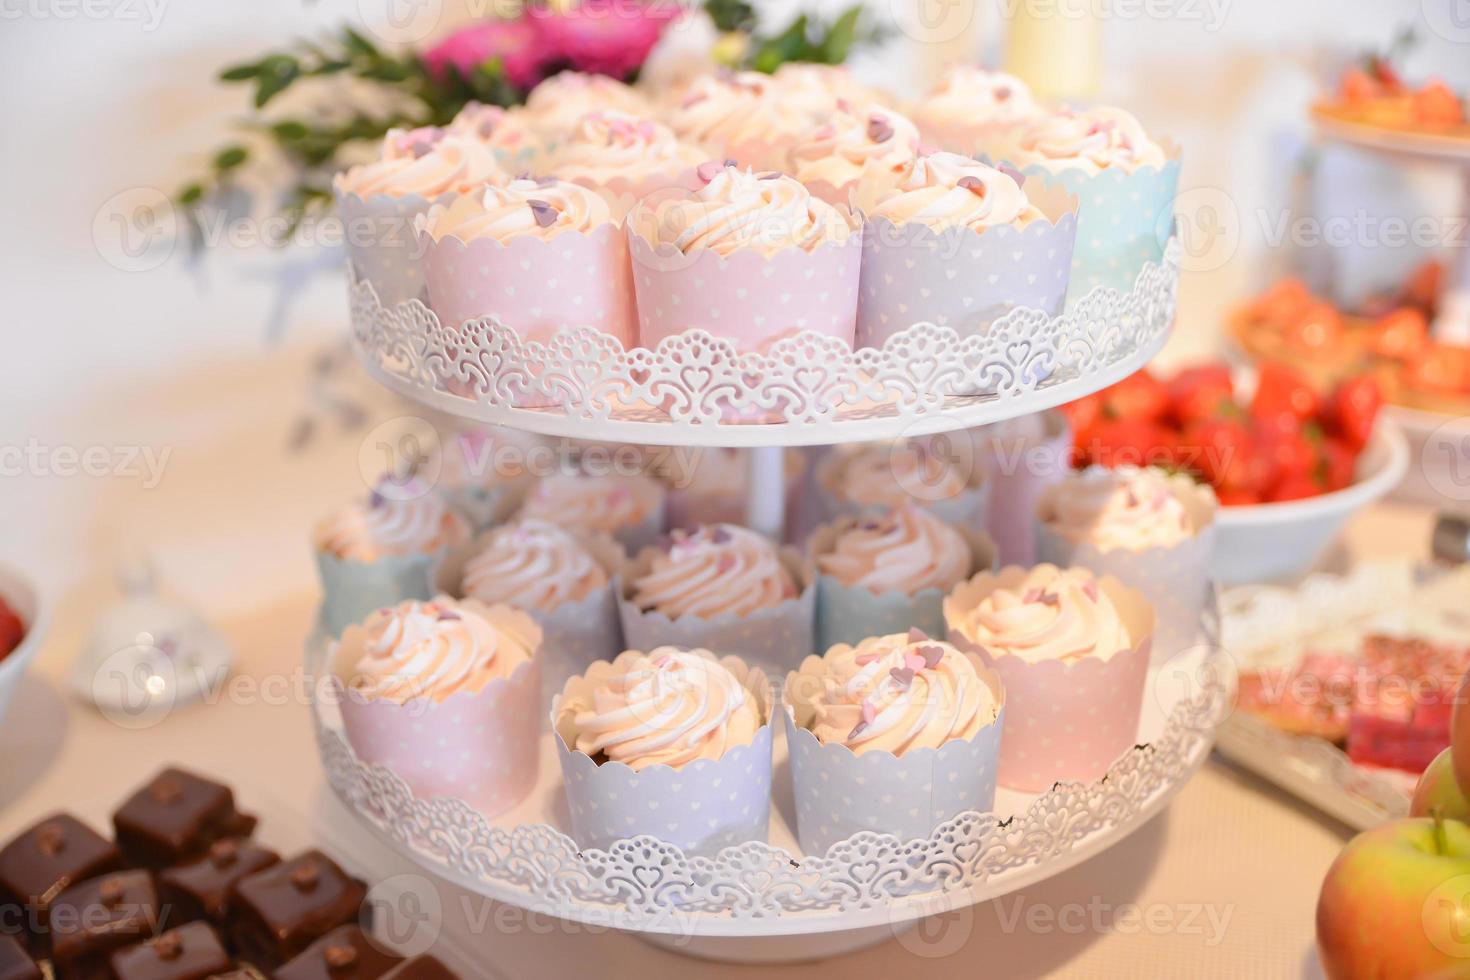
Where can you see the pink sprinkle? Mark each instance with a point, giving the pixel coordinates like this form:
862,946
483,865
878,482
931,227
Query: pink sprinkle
857,730
932,655
917,635
1002,93
903,676
913,661
1089,589
879,130
721,536
972,184
693,100
725,564
865,659
1013,173
869,713
1050,599
1033,595
708,170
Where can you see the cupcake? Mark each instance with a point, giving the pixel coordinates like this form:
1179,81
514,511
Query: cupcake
1021,457
505,131
895,735
853,144
379,202
853,478
722,588
563,579
630,508
973,111
738,116
712,485
1073,652
671,743
444,694
889,570
399,543
749,258
540,256
556,105
1150,529
816,91
624,158
955,242
483,473
1125,181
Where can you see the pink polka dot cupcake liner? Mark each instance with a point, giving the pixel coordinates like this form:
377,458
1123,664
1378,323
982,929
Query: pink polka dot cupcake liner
1064,721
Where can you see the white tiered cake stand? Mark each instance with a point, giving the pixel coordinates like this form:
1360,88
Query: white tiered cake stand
768,901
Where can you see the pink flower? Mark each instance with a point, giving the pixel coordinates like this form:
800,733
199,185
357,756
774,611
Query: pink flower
515,42
608,37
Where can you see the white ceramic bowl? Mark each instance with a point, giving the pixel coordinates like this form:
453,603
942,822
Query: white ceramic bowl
1278,542
20,594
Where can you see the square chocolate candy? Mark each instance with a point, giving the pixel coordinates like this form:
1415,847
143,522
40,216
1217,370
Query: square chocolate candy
15,962
92,920
201,889
176,817
345,953
190,952
276,913
421,968
40,864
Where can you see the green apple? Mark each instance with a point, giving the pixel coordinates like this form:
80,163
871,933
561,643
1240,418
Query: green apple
1460,734
1438,788
1396,903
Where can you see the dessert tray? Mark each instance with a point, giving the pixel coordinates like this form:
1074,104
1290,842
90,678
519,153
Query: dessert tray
695,389
863,890
1337,124
1275,626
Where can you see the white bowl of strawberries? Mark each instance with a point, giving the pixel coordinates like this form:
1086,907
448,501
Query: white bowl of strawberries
1290,463
21,627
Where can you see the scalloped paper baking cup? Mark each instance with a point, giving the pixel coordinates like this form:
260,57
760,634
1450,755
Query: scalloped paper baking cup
839,794
537,288
1063,721
482,506
1124,220
848,614
1019,467
382,242
483,748
748,298
1175,579
962,278
351,589
775,638
701,807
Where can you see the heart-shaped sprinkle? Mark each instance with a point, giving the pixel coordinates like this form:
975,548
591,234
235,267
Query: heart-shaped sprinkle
879,130
913,661
449,615
543,212
708,170
903,676
721,536
972,184
1089,589
1013,173
932,655
917,635
725,564
869,712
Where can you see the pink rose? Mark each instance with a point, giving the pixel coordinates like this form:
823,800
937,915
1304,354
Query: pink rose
607,37
515,42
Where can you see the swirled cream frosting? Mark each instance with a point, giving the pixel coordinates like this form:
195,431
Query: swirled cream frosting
1126,508
898,693
855,142
903,549
532,564
892,474
947,190
733,108
711,570
737,209
967,95
1087,139
554,106
1053,614
437,649
596,503
497,128
608,145
392,522
668,707
426,162
521,209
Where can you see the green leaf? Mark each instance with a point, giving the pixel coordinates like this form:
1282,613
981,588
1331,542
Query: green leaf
838,42
358,44
276,74
230,157
239,73
191,194
289,129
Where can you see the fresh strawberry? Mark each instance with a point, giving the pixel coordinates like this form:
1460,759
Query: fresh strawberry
1423,287
1441,367
1282,301
1216,450
1385,74
1300,487
1288,453
1436,106
1237,498
1336,463
1115,442
1400,334
1351,410
1281,391
1083,413
1139,396
12,630
1199,393
1356,85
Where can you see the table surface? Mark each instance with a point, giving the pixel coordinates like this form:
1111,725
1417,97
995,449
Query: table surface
1223,883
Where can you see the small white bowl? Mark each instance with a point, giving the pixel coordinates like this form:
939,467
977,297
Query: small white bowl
1277,542
21,594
